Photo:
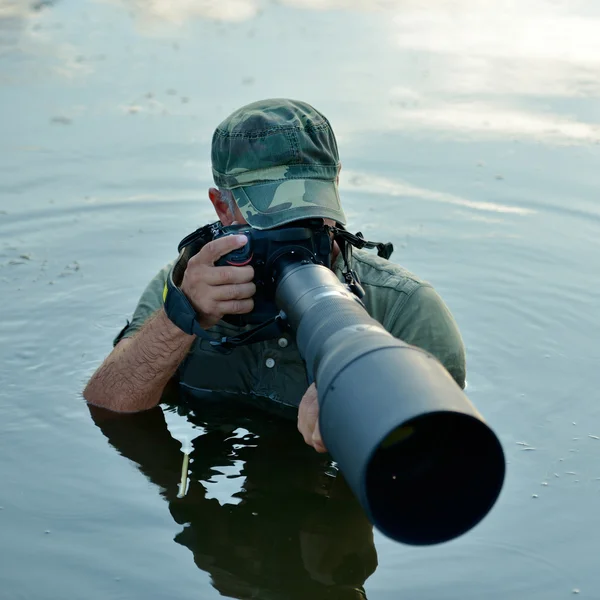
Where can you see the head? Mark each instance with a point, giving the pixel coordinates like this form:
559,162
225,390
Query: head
274,162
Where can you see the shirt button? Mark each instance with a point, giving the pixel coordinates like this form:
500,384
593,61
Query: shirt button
282,342
270,363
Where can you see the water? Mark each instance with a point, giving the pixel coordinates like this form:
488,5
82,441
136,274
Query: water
469,134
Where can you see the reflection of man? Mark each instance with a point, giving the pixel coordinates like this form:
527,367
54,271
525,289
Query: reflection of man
294,531
275,162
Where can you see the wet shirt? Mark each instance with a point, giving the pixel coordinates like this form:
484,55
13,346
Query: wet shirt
273,373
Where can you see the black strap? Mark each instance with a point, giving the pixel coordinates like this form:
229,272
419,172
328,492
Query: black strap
358,241
256,334
346,241
181,312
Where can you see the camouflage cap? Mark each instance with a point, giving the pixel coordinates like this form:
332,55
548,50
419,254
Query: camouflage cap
280,159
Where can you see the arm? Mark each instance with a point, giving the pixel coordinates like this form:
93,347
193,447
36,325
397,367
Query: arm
134,375
424,320
144,438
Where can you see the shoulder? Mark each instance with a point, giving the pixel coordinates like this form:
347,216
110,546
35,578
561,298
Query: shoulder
387,285
149,302
378,272
152,296
412,310
161,276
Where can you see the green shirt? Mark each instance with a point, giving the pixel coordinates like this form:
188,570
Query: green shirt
271,372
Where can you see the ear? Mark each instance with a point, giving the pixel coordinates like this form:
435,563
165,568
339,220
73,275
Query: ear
221,206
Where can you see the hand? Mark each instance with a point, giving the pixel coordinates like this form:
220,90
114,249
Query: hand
218,291
308,419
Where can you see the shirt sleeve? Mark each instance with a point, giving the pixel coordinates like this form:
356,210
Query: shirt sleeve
150,301
423,320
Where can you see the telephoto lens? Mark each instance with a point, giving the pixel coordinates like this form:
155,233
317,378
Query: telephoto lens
419,457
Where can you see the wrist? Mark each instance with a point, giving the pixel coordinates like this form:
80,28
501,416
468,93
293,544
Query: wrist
204,320
170,331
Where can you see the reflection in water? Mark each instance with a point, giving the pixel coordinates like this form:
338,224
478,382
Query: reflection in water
391,187
12,20
488,120
293,531
468,67
179,11
13,8
35,44
10,9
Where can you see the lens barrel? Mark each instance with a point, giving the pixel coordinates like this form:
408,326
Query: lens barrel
419,457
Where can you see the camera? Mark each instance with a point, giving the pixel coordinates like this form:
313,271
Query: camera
305,242
419,457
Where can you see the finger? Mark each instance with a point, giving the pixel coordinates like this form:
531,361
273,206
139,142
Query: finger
311,394
319,447
302,425
228,275
306,414
236,307
219,247
237,291
317,440
312,406
306,403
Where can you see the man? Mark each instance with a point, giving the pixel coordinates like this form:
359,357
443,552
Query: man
274,162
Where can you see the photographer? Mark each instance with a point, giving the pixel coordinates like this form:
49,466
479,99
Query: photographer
274,162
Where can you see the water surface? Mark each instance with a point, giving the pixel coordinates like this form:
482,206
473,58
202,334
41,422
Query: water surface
469,134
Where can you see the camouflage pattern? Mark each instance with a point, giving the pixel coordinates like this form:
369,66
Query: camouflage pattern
280,159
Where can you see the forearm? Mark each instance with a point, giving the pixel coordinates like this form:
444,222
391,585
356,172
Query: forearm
134,375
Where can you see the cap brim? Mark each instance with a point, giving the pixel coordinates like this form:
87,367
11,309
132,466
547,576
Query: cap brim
268,205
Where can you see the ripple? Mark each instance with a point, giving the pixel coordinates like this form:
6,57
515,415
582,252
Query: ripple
470,570
396,187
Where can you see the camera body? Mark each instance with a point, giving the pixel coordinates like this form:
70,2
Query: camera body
267,251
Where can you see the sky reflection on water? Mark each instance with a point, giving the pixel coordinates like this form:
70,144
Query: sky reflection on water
469,133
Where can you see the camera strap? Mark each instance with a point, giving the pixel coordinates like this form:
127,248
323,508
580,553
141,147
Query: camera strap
358,241
346,241
181,312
